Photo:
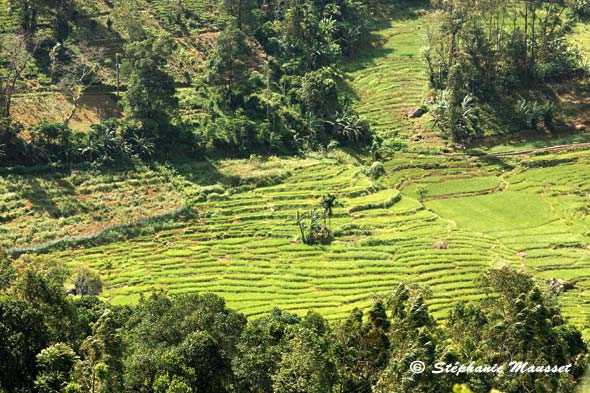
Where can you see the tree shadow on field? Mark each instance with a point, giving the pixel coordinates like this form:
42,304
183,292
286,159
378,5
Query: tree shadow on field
399,12
86,28
203,173
30,188
499,161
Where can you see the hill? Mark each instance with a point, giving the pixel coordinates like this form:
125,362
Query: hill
292,201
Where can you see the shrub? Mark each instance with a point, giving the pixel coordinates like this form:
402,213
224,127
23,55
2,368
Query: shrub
581,7
115,141
349,127
376,170
54,140
529,113
333,145
215,197
422,192
87,282
105,144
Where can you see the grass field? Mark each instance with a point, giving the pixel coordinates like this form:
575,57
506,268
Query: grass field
82,201
30,109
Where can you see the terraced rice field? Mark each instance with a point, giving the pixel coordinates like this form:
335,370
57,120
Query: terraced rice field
539,210
80,202
531,212
391,78
44,208
245,248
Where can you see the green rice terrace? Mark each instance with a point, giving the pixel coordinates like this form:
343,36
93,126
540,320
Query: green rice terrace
391,78
531,212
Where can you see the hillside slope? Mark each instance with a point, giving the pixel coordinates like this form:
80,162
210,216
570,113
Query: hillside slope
390,79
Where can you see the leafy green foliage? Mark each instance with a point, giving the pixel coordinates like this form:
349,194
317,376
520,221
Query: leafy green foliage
150,97
311,228
260,349
470,65
55,363
228,66
286,97
22,336
530,113
87,282
517,321
306,365
197,339
422,193
376,170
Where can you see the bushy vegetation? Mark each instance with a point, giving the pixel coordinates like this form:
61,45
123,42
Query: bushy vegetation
474,57
108,143
270,83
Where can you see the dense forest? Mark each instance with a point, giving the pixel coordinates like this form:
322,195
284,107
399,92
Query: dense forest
270,83
479,52
193,80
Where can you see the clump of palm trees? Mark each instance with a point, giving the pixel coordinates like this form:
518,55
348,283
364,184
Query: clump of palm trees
314,226
531,113
109,142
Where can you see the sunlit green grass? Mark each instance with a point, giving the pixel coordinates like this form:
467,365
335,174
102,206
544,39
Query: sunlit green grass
390,78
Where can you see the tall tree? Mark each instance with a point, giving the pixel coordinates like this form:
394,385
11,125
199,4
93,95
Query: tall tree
55,365
81,70
229,65
16,51
150,97
101,367
23,334
306,365
260,349
241,11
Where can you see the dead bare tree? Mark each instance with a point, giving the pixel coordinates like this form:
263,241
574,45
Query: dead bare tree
16,51
81,70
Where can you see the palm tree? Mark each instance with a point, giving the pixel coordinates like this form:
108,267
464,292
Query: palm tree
422,192
328,203
313,125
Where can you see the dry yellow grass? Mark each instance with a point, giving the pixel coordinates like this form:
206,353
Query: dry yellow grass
53,107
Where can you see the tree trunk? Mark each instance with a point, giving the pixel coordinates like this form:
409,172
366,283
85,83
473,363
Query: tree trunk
533,42
526,40
70,116
453,38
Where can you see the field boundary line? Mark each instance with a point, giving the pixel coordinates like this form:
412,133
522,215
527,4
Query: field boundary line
534,150
73,241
